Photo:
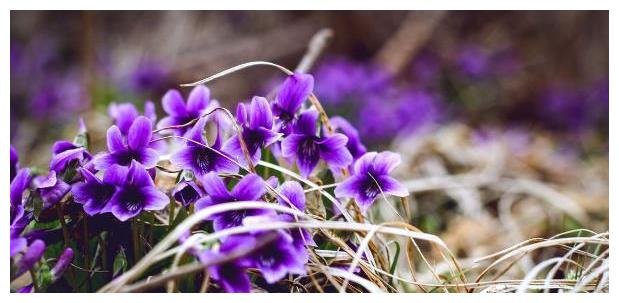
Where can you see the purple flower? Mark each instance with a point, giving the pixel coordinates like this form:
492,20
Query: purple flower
354,145
200,159
250,188
257,122
62,264
179,113
18,185
473,61
187,192
51,189
65,153
137,147
307,148
17,245
278,257
293,92
371,178
148,75
125,113
293,193
33,254
14,162
135,191
230,275
94,194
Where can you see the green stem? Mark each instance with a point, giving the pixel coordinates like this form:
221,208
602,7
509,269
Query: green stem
135,239
33,275
171,217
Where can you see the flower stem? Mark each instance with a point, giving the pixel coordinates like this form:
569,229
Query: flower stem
34,280
86,250
135,240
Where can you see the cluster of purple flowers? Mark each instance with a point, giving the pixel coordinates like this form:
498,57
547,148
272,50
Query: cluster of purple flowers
121,180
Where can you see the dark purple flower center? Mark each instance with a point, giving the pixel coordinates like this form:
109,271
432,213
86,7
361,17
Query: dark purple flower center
370,187
204,160
132,198
187,195
308,149
124,158
254,140
102,192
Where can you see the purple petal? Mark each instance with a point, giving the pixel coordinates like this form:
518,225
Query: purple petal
391,186
294,91
293,191
385,162
17,245
250,188
173,103
333,150
198,100
18,185
138,176
103,161
260,113
354,145
62,146
241,114
33,254
195,133
363,165
215,187
115,139
116,175
60,161
123,207
304,149
148,157
350,187
154,199
233,148
140,133
123,114
307,123
150,112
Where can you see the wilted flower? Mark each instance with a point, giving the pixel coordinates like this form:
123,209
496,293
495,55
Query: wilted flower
179,113
250,188
51,189
135,191
257,122
293,92
371,178
199,158
137,147
187,192
308,148
94,194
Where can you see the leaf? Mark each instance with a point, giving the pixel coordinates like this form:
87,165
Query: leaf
395,261
120,262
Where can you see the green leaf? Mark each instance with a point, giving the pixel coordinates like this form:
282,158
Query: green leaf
394,264
120,262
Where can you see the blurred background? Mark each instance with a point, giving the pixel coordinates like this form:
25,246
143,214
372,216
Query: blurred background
495,96
545,71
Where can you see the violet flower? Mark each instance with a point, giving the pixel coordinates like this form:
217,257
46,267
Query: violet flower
33,254
354,145
62,264
93,194
137,147
179,113
308,148
65,153
124,114
200,159
250,188
18,185
257,122
291,194
230,275
293,92
187,192
51,189
135,191
371,178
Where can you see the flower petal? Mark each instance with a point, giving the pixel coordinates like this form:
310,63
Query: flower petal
116,175
350,187
123,114
140,133
385,162
148,157
362,165
294,91
215,187
293,191
391,186
333,151
173,103
260,113
138,176
115,139
154,199
307,123
198,100
18,185
250,188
